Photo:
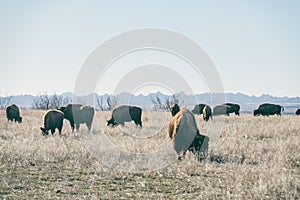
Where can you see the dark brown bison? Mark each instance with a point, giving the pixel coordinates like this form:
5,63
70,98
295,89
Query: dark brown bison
125,113
185,134
198,109
78,114
298,112
221,110
13,113
233,108
267,109
207,113
203,109
53,119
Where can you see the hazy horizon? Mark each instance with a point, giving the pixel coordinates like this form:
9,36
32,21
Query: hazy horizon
145,94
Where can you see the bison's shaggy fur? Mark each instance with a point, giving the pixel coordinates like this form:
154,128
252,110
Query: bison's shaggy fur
198,109
52,119
125,113
78,114
207,113
267,109
185,134
233,108
13,113
221,110
203,109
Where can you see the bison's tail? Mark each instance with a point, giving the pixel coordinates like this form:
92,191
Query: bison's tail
282,108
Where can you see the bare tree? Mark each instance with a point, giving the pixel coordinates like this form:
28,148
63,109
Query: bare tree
111,103
100,104
57,101
45,102
4,102
166,105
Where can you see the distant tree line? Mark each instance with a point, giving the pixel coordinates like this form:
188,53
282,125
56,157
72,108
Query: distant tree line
4,102
107,104
165,105
46,102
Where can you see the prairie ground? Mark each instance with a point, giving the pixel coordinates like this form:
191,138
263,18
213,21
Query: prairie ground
249,158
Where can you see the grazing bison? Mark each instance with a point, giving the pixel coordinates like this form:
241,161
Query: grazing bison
185,134
207,113
52,119
267,109
198,109
221,110
298,112
233,108
13,113
78,114
203,109
125,113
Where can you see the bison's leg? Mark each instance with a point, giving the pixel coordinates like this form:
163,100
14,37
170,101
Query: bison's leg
60,128
138,122
72,126
77,126
52,131
180,157
89,125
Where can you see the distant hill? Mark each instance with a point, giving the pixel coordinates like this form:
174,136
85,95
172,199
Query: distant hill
248,103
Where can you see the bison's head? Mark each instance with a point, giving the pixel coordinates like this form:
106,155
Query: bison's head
255,112
19,119
111,122
62,109
175,109
44,131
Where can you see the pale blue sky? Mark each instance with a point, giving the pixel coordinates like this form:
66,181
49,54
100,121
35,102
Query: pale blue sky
255,45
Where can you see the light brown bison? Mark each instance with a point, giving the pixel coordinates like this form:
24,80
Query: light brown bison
53,119
185,134
13,113
78,114
125,113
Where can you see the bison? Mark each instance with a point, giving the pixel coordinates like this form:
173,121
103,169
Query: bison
78,114
52,119
207,113
198,109
185,134
203,109
125,113
13,113
233,108
298,112
267,109
221,110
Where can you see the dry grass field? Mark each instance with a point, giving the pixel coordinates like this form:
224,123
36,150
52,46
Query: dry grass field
251,158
